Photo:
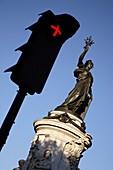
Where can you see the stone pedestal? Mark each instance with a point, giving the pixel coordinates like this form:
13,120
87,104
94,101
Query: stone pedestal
58,144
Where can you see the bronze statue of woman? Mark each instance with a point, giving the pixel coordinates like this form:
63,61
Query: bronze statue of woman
80,97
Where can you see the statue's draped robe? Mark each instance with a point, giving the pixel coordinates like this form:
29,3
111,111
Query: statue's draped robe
78,98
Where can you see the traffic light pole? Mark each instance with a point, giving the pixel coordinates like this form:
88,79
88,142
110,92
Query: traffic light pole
11,116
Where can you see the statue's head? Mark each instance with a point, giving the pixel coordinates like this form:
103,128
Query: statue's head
21,162
89,64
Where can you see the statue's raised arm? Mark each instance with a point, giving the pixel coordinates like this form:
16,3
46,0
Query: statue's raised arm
80,61
88,42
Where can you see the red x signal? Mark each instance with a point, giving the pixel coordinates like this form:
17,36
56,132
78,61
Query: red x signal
57,30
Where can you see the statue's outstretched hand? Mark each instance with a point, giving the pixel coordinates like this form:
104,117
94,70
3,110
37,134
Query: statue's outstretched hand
86,48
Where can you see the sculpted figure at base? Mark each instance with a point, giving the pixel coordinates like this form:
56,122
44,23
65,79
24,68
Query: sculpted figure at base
80,97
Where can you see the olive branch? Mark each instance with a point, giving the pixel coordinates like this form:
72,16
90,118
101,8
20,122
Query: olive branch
89,41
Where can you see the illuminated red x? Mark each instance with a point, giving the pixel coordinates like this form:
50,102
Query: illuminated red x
57,30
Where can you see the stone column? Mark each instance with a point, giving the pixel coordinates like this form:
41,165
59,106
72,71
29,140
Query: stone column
58,144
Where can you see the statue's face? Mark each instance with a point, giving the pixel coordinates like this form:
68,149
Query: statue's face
21,162
89,64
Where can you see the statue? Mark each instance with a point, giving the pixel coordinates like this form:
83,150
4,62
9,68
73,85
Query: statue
21,163
80,97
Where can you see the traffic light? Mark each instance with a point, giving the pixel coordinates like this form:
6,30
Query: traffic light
39,53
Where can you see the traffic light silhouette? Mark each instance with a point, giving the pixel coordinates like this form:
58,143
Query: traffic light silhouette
39,53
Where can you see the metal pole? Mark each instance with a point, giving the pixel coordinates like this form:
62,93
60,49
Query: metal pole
11,116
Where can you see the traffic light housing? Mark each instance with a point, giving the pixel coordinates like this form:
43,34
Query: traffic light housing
39,53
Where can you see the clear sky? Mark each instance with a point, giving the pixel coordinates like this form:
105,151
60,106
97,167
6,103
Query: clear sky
96,19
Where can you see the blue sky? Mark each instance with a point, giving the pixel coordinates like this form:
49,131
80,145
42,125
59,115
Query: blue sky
96,19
